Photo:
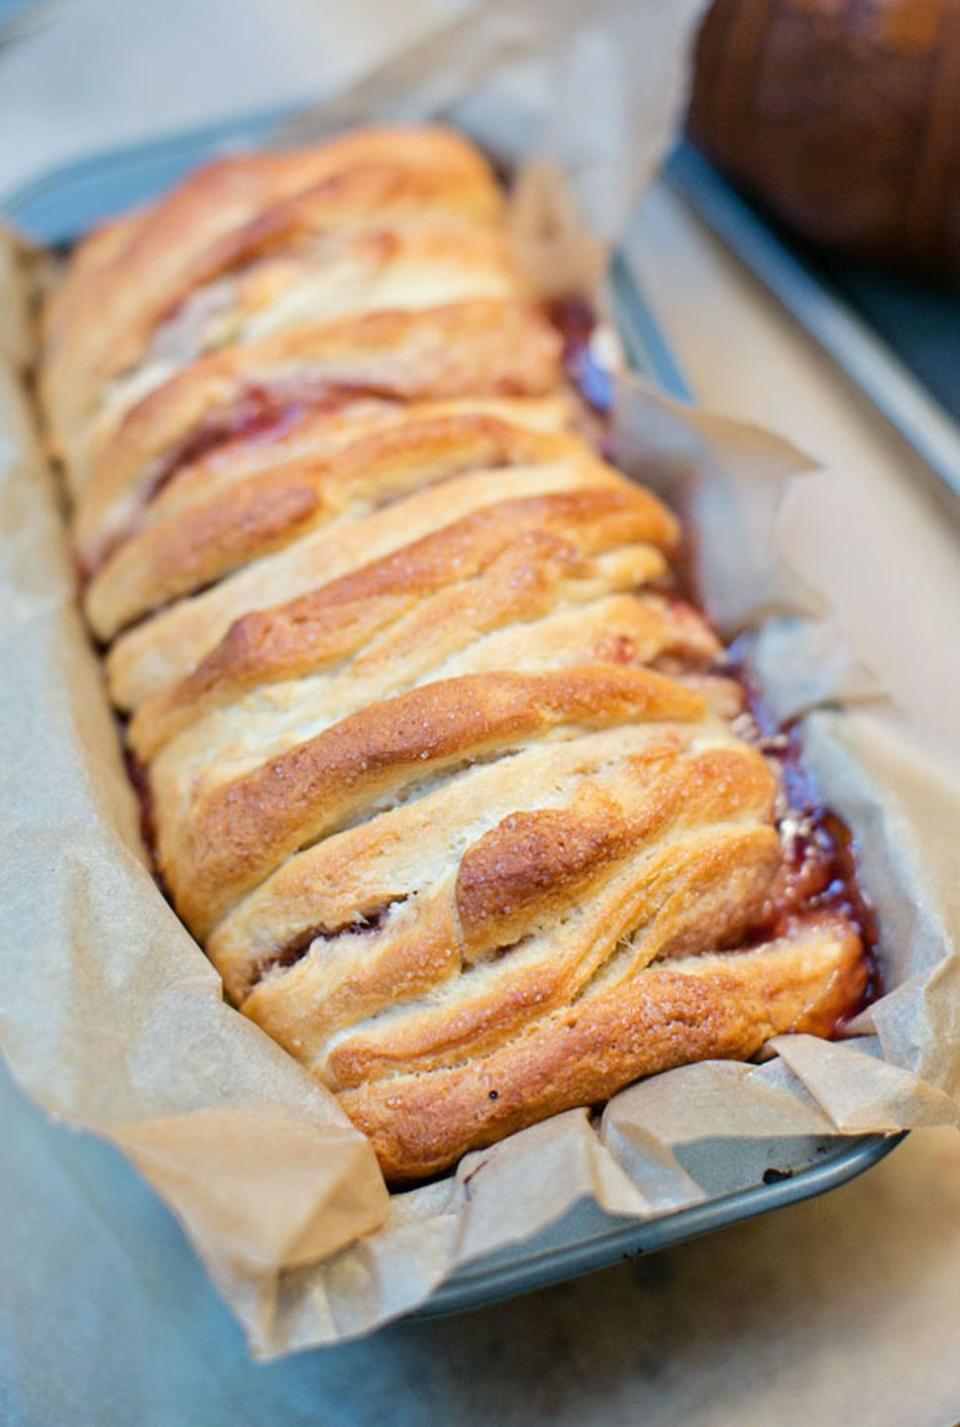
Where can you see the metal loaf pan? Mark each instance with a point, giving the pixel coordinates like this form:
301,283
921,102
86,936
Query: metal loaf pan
61,205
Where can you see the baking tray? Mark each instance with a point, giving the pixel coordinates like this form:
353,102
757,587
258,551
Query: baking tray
63,203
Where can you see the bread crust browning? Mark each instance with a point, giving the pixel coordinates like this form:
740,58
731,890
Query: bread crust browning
722,1007
125,277
412,852
491,347
450,783
315,433
697,892
242,829
192,548
154,655
495,557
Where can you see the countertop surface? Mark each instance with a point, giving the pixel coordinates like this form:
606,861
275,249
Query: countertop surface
845,1310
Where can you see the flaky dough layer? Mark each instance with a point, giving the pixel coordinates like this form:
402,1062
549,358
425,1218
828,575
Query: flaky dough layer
436,764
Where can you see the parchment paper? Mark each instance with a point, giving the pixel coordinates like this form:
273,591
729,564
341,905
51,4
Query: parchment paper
111,1016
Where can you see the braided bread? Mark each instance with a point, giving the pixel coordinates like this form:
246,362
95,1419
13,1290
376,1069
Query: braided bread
448,781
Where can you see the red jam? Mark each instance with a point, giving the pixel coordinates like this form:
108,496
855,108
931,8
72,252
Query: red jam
575,321
821,865
820,871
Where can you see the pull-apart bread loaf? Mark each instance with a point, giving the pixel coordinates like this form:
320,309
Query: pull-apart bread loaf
445,777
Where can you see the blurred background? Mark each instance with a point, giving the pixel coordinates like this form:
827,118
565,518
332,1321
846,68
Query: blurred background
839,120
78,76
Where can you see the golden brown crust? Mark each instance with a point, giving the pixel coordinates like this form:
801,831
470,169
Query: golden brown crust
438,766
126,277
382,868
195,546
687,887
484,347
554,850
311,434
156,654
721,1007
664,836
242,829
533,542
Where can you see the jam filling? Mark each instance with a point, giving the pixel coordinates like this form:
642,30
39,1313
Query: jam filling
263,413
820,870
366,924
260,413
139,775
575,321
